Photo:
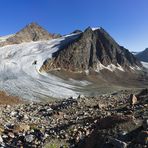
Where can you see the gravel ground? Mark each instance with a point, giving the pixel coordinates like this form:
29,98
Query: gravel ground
116,120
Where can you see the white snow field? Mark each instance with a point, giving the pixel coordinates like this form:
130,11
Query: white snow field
4,38
20,77
145,64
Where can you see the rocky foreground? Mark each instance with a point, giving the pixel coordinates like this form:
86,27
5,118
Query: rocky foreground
118,120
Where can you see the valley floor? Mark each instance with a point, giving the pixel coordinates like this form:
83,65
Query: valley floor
113,120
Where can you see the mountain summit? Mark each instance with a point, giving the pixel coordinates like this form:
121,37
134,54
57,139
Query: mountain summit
31,32
143,56
94,49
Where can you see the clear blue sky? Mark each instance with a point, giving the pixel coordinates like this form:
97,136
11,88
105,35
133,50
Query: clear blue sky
125,20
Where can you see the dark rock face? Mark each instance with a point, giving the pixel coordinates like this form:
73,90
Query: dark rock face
143,56
92,48
32,32
77,31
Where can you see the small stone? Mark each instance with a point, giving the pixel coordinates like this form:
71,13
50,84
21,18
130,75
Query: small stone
1,139
49,109
29,138
4,136
26,117
87,133
1,129
101,105
8,106
133,99
13,113
10,134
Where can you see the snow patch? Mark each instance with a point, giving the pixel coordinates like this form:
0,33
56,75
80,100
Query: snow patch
135,68
95,28
4,38
82,83
110,67
145,64
87,72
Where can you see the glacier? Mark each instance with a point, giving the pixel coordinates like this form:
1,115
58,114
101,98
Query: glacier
20,77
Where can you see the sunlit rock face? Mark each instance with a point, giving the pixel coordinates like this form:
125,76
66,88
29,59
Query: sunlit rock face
31,32
94,49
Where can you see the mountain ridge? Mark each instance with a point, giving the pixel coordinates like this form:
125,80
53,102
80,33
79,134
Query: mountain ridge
143,55
91,59
93,49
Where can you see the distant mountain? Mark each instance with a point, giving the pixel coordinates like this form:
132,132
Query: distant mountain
143,56
145,64
31,32
93,49
134,53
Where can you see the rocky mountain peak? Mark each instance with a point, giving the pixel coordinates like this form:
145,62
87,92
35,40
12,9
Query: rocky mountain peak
88,29
94,49
143,56
77,31
31,32
88,32
33,25
33,29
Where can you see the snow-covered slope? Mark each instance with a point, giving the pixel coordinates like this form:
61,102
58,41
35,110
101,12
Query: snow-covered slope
145,64
4,38
19,70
